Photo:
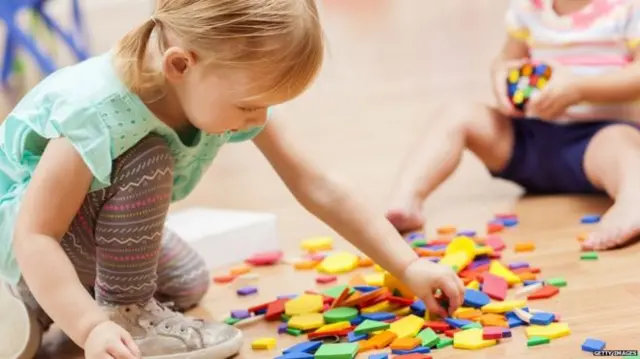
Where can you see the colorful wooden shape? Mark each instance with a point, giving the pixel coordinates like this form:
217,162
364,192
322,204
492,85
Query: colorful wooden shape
489,333
337,351
495,287
265,258
338,263
524,247
551,331
503,307
263,344
592,345
475,299
304,304
340,314
370,326
405,343
317,244
544,292
471,339
498,269
408,326
428,338
306,321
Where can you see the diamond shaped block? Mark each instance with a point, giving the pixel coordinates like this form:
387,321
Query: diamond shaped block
592,345
337,351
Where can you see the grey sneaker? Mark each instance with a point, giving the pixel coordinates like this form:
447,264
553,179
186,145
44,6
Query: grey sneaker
164,334
20,331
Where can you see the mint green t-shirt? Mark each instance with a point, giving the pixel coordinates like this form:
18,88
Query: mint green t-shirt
91,107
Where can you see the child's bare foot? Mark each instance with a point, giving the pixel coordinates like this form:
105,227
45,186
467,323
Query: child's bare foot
620,226
406,217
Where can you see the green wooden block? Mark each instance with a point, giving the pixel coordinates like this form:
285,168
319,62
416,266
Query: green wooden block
589,256
557,282
337,351
429,338
294,332
341,314
285,318
336,291
369,326
419,243
444,342
231,321
472,325
533,341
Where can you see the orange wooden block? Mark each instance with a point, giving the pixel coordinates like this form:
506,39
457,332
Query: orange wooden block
582,237
305,264
494,228
224,278
470,314
364,298
382,340
446,230
343,296
356,280
365,346
545,292
493,320
240,270
365,262
467,280
405,343
527,276
524,247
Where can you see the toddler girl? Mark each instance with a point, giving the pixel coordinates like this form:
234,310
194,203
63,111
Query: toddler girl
579,135
92,157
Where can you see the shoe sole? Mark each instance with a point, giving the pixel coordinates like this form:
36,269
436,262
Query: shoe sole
221,351
19,334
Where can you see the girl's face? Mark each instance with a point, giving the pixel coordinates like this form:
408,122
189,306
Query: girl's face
217,100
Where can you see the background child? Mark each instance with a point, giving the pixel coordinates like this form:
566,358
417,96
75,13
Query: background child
92,157
573,138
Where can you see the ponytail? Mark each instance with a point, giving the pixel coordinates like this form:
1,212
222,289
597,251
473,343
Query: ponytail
131,56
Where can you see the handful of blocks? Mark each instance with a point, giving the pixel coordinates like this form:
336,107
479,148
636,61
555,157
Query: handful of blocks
376,312
526,81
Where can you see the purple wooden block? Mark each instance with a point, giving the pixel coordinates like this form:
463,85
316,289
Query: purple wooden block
240,314
287,296
434,259
247,291
436,247
506,333
414,236
282,328
516,265
467,233
479,262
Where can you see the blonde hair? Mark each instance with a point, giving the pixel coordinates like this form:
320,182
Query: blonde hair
281,38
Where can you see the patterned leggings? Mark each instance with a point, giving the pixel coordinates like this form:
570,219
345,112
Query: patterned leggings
118,242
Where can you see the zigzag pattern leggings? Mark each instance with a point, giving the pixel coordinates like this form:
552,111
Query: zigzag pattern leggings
118,242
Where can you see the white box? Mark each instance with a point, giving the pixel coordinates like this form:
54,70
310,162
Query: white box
225,237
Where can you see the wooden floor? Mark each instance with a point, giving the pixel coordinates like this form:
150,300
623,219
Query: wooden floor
393,66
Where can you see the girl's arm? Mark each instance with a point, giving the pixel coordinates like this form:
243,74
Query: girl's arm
618,86
332,203
55,193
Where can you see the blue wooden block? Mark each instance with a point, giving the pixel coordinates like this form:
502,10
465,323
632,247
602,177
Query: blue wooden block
590,218
467,233
530,282
380,317
513,320
365,288
510,222
418,308
296,356
475,298
418,350
414,236
592,345
261,311
306,347
247,291
282,328
457,323
542,318
353,337
379,356
357,321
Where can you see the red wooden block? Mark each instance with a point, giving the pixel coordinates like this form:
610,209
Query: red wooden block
335,333
493,227
534,270
380,298
495,255
265,258
489,333
437,326
403,302
413,356
506,216
494,286
438,242
222,279
343,296
496,243
275,309
357,298
324,279
545,292
260,307
451,332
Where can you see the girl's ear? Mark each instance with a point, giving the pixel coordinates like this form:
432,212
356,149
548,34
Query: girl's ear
176,62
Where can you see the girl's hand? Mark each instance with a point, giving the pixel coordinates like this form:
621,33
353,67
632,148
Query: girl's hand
108,340
499,83
560,93
425,277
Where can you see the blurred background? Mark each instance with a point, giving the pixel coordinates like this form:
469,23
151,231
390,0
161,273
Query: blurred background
393,66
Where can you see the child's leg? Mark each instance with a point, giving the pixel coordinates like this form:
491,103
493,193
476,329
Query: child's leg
183,278
481,129
612,163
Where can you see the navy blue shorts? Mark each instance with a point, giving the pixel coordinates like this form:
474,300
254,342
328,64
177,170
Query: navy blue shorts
547,158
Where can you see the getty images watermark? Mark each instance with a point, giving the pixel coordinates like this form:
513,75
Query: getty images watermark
615,353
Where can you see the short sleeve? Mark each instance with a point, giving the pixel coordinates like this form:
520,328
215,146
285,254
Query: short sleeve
249,134
515,19
632,28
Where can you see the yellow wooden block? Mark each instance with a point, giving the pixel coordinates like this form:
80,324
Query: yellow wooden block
402,311
263,344
407,327
485,250
240,270
459,253
306,321
334,327
497,268
462,311
551,331
474,284
375,279
503,307
384,306
317,244
338,263
393,284
304,304
305,264
378,268
471,339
